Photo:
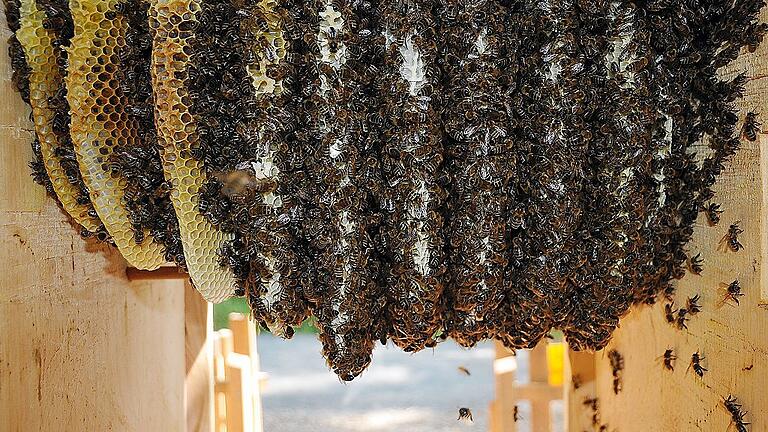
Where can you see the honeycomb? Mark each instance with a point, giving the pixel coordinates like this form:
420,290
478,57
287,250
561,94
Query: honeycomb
99,122
171,24
45,81
147,193
269,53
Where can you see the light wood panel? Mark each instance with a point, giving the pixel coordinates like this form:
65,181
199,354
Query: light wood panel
81,349
732,338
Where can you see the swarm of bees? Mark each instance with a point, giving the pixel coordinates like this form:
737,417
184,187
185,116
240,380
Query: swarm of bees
405,171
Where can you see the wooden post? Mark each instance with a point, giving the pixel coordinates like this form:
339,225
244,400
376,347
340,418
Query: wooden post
81,348
220,379
539,381
245,340
502,407
198,393
509,392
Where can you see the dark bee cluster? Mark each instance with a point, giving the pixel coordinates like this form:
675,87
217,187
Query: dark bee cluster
138,161
242,84
21,71
478,64
343,183
419,169
20,80
412,168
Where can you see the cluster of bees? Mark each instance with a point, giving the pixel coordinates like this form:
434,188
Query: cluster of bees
406,171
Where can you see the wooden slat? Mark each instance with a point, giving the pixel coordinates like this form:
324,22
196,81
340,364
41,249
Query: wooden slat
502,419
219,374
538,391
509,392
579,367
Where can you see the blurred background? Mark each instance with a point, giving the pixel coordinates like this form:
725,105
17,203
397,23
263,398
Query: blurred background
420,392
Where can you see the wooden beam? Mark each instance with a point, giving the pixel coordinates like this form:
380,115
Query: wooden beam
171,273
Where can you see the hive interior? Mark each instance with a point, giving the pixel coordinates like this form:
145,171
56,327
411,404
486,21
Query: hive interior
404,171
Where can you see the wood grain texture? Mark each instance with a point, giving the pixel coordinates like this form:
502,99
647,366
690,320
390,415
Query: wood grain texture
81,349
198,393
732,338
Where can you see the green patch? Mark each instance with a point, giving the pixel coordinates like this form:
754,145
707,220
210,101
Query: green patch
222,310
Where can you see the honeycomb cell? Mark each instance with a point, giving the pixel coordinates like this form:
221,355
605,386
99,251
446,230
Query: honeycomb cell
93,139
138,160
202,242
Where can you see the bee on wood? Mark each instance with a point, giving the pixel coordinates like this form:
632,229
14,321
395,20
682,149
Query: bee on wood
732,237
733,292
681,319
693,305
737,414
669,312
516,414
751,127
464,370
696,359
592,403
748,368
669,359
465,414
576,380
695,264
713,213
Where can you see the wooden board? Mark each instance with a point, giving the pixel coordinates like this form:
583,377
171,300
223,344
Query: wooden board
733,339
81,349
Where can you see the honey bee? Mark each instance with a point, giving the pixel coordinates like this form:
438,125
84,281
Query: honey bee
669,359
713,213
733,291
751,127
695,264
465,414
696,359
693,305
733,237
